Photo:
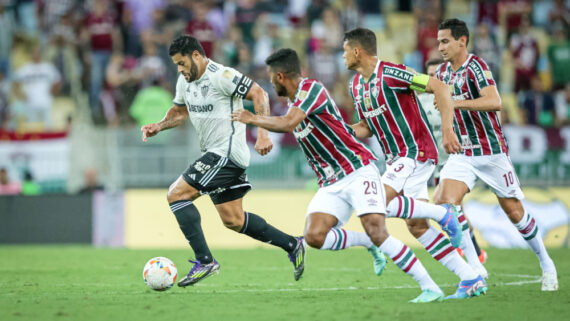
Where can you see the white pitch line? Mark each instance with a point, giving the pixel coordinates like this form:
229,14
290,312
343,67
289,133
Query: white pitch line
211,289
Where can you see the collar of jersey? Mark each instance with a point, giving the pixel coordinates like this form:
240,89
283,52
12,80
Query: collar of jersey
204,74
299,88
462,66
374,74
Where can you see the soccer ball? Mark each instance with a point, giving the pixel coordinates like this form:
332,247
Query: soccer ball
159,273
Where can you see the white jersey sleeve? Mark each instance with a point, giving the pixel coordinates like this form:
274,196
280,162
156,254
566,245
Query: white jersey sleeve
180,88
234,83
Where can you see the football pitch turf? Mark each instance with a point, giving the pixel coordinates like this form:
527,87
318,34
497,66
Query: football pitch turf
85,283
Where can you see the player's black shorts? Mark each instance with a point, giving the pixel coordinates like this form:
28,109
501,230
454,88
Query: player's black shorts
218,177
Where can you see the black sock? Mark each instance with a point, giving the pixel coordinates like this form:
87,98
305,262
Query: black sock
477,248
188,219
257,228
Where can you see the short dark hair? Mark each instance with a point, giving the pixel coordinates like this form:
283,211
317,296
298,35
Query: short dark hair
185,45
432,62
284,60
365,38
458,28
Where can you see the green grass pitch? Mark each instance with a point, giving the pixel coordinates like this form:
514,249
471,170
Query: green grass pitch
84,283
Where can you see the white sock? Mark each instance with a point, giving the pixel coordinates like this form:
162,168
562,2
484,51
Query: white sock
406,207
529,231
439,247
340,239
467,244
406,260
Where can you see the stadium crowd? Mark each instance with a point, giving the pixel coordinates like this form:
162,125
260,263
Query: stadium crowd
115,52
106,62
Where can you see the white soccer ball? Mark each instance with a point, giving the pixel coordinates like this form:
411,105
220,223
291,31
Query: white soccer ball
159,273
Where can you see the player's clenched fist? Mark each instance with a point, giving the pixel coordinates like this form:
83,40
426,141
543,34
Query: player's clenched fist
242,116
149,131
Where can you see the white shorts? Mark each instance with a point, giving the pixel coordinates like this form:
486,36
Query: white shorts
497,171
361,191
409,175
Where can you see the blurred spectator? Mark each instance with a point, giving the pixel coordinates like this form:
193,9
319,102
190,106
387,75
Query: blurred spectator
563,106
123,77
8,187
101,33
512,14
315,10
142,11
160,36
215,18
245,16
201,29
152,67
485,46
61,52
4,109
229,46
53,10
558,53
26,11
488,12
350,15
427,14
323,65
7,27
524,48
538,106
559,14
268,40
91,182
245,61
39,81
29,186
327,31
150,104
131,42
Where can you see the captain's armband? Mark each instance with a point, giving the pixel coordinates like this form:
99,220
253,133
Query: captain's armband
419,82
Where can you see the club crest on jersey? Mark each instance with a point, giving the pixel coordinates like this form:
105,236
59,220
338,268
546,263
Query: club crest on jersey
375,91
303,133
204,89
303,94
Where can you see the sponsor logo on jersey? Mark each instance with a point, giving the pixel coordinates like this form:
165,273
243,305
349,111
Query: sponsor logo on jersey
201,108
463,96
398,73
305,132
375,112
477,71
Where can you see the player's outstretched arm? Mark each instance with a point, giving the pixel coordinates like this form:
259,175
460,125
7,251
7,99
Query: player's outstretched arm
361,129
175,116
260,99
445,106
489,101
279,124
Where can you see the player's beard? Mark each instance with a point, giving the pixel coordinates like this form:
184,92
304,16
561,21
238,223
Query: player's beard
281,90
193,74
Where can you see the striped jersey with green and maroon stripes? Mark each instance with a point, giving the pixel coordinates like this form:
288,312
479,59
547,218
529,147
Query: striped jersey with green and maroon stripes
328,142
393,112
479,132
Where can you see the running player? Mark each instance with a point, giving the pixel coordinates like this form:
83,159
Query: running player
485,156
388,108
208,93
347,177
434,118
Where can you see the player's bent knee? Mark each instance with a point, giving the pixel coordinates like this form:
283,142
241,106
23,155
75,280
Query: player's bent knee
417,227
315,239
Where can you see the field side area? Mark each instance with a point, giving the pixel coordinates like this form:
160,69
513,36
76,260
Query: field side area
85,283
